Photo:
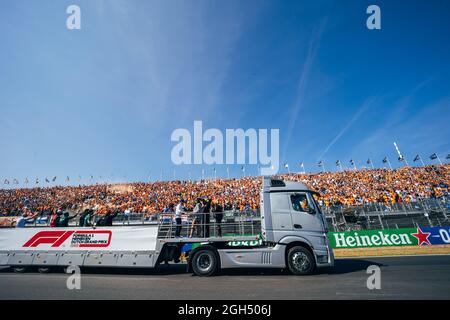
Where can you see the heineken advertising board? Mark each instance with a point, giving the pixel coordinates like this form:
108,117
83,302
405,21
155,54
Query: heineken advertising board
376,238
392,237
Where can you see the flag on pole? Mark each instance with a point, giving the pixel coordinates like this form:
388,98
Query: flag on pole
6,181
448,156
46,180
400,158
302,165
338,163
26,180
352,162
37,180
433,156
67,178
286,165
15,181
369,161
385,160
320,164
54,179
417,158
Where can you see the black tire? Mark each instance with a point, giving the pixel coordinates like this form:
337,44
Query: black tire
205,262
44,269
19,269
300,261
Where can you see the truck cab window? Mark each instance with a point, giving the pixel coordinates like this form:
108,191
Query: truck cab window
300,203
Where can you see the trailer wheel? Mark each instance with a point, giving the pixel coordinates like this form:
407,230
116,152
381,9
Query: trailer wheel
19,269
44,270
205,263
300,261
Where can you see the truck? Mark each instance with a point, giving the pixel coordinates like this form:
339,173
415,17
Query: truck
291,234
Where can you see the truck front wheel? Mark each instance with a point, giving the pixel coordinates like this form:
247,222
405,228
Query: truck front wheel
205,263
300,261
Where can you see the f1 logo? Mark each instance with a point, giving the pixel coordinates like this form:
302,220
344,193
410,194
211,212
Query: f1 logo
80,238
56,238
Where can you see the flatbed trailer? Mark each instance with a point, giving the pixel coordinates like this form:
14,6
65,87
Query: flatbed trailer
292,233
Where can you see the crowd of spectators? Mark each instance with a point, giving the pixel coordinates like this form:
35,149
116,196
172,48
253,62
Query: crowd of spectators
350,187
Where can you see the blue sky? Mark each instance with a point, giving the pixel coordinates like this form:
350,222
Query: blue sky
104,100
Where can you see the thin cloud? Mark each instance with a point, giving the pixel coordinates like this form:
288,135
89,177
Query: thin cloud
361,110
303,80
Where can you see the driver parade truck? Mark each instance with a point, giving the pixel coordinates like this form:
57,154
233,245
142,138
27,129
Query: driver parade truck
292,234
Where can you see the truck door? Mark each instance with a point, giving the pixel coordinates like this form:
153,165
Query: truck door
281,213
304,214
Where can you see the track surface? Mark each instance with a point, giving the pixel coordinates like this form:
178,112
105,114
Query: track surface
417,277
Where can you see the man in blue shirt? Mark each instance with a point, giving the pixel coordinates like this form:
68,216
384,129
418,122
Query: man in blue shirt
24,219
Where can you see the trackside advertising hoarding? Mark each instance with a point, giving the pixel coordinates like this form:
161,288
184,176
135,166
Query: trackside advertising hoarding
393,237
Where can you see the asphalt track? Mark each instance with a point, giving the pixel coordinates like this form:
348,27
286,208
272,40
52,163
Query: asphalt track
412,277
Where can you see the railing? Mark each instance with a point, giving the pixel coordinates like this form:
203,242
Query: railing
423,212
205,225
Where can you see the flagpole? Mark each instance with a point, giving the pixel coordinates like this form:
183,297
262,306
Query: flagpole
423,164
400,155
389,163
439,159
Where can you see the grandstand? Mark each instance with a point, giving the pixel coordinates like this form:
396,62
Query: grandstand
352,199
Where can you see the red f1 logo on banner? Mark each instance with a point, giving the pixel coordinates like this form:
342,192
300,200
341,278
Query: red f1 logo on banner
56,238
82,239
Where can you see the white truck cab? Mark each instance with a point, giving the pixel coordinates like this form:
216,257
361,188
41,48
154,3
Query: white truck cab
294,232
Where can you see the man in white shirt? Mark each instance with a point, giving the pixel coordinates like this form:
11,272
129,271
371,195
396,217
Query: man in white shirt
179,210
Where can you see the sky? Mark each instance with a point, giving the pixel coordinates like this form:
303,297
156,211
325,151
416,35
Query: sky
104,100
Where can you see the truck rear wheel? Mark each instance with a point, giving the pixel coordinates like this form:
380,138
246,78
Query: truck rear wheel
205,263
300,261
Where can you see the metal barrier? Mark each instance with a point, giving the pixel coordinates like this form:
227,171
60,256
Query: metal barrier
423,212
197,226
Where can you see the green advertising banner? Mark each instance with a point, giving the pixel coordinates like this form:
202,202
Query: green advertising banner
373,238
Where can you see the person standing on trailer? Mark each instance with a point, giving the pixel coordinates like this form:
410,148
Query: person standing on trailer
179,210
65,218
206,217
197,213
218,216
26,218
56,217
